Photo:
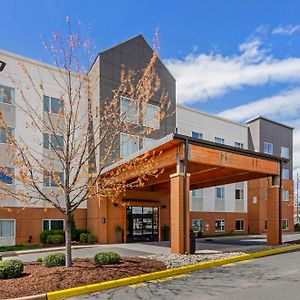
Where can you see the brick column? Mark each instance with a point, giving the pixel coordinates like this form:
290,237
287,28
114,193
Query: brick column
273,236
177,214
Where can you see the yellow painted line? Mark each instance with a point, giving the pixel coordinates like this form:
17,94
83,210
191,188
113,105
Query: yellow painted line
169,278
162,274
137,285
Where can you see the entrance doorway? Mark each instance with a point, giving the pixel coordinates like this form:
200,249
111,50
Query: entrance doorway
141,224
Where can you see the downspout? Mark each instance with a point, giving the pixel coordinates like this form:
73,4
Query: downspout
280,203
186,150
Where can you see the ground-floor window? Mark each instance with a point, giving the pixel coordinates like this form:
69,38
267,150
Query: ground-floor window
239,225
53,224
285,224
7,228
220,225
197,225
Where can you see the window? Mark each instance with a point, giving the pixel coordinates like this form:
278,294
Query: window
197,193
268,148
46,143
285,224
53,181
220,192
285,173
197,225
129,109
285,152
129,144
254,199
53,105
285,195
239,225
7,94
148,142
219,140
239,194
57,141
53,224
151,116
197,135
266,224
3,134
7,229
239,145
220,225
6,175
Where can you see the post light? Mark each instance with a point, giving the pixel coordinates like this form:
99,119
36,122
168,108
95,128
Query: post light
2,65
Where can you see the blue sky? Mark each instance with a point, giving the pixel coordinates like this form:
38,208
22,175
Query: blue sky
235,58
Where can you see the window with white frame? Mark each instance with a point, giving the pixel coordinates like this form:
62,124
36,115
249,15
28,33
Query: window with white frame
268,148
285,152
239,225
197,193
151,116
57,141
219,140
220,192
129,110
53,105
7,94
197,135
129,144
147,142
197,225
285,173
239,194
239,145
285,224
4,138
54,180
220,225
7,228
53,224
285,195
6,175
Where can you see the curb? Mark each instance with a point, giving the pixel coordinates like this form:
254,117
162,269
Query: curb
62,294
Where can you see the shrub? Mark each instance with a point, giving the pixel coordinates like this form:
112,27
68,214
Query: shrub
79,231
106,258
49,239
39,260
83,237
54,260
10,268
91,239
45,233
57,239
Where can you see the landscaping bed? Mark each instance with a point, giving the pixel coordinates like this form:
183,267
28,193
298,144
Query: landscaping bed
37,279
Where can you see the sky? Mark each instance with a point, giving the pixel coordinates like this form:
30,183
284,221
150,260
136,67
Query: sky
234,58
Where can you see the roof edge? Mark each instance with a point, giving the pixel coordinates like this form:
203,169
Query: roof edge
269,120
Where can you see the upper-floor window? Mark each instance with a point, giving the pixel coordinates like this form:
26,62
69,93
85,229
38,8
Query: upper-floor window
3,134
6,175
219,140
129,109
147,142
54,180
268,148
57,141
151,116
239,145
239,194
285,152
197,193
285,173
53,105
129,144
197,135
7,94
220,192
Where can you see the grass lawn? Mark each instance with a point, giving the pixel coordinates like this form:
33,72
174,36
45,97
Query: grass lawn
19,247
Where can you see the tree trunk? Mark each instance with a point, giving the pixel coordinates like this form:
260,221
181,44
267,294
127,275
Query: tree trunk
68,240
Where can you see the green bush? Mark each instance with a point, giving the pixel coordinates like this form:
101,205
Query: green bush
39,260
91,239
79,231
49,239
54,260
45,233
10,268
107,258
83,238
57,239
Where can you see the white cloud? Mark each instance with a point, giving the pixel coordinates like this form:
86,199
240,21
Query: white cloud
203,76
286,30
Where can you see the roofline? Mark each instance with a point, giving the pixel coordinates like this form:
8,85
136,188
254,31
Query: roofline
269,120
211,115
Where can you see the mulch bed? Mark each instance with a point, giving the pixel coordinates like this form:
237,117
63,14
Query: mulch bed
38,279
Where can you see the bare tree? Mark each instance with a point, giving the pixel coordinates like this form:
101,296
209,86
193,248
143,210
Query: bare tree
81,138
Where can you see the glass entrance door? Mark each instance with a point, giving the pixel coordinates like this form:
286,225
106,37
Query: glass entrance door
142,224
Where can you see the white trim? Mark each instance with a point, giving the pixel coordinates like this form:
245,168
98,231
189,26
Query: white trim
10,237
